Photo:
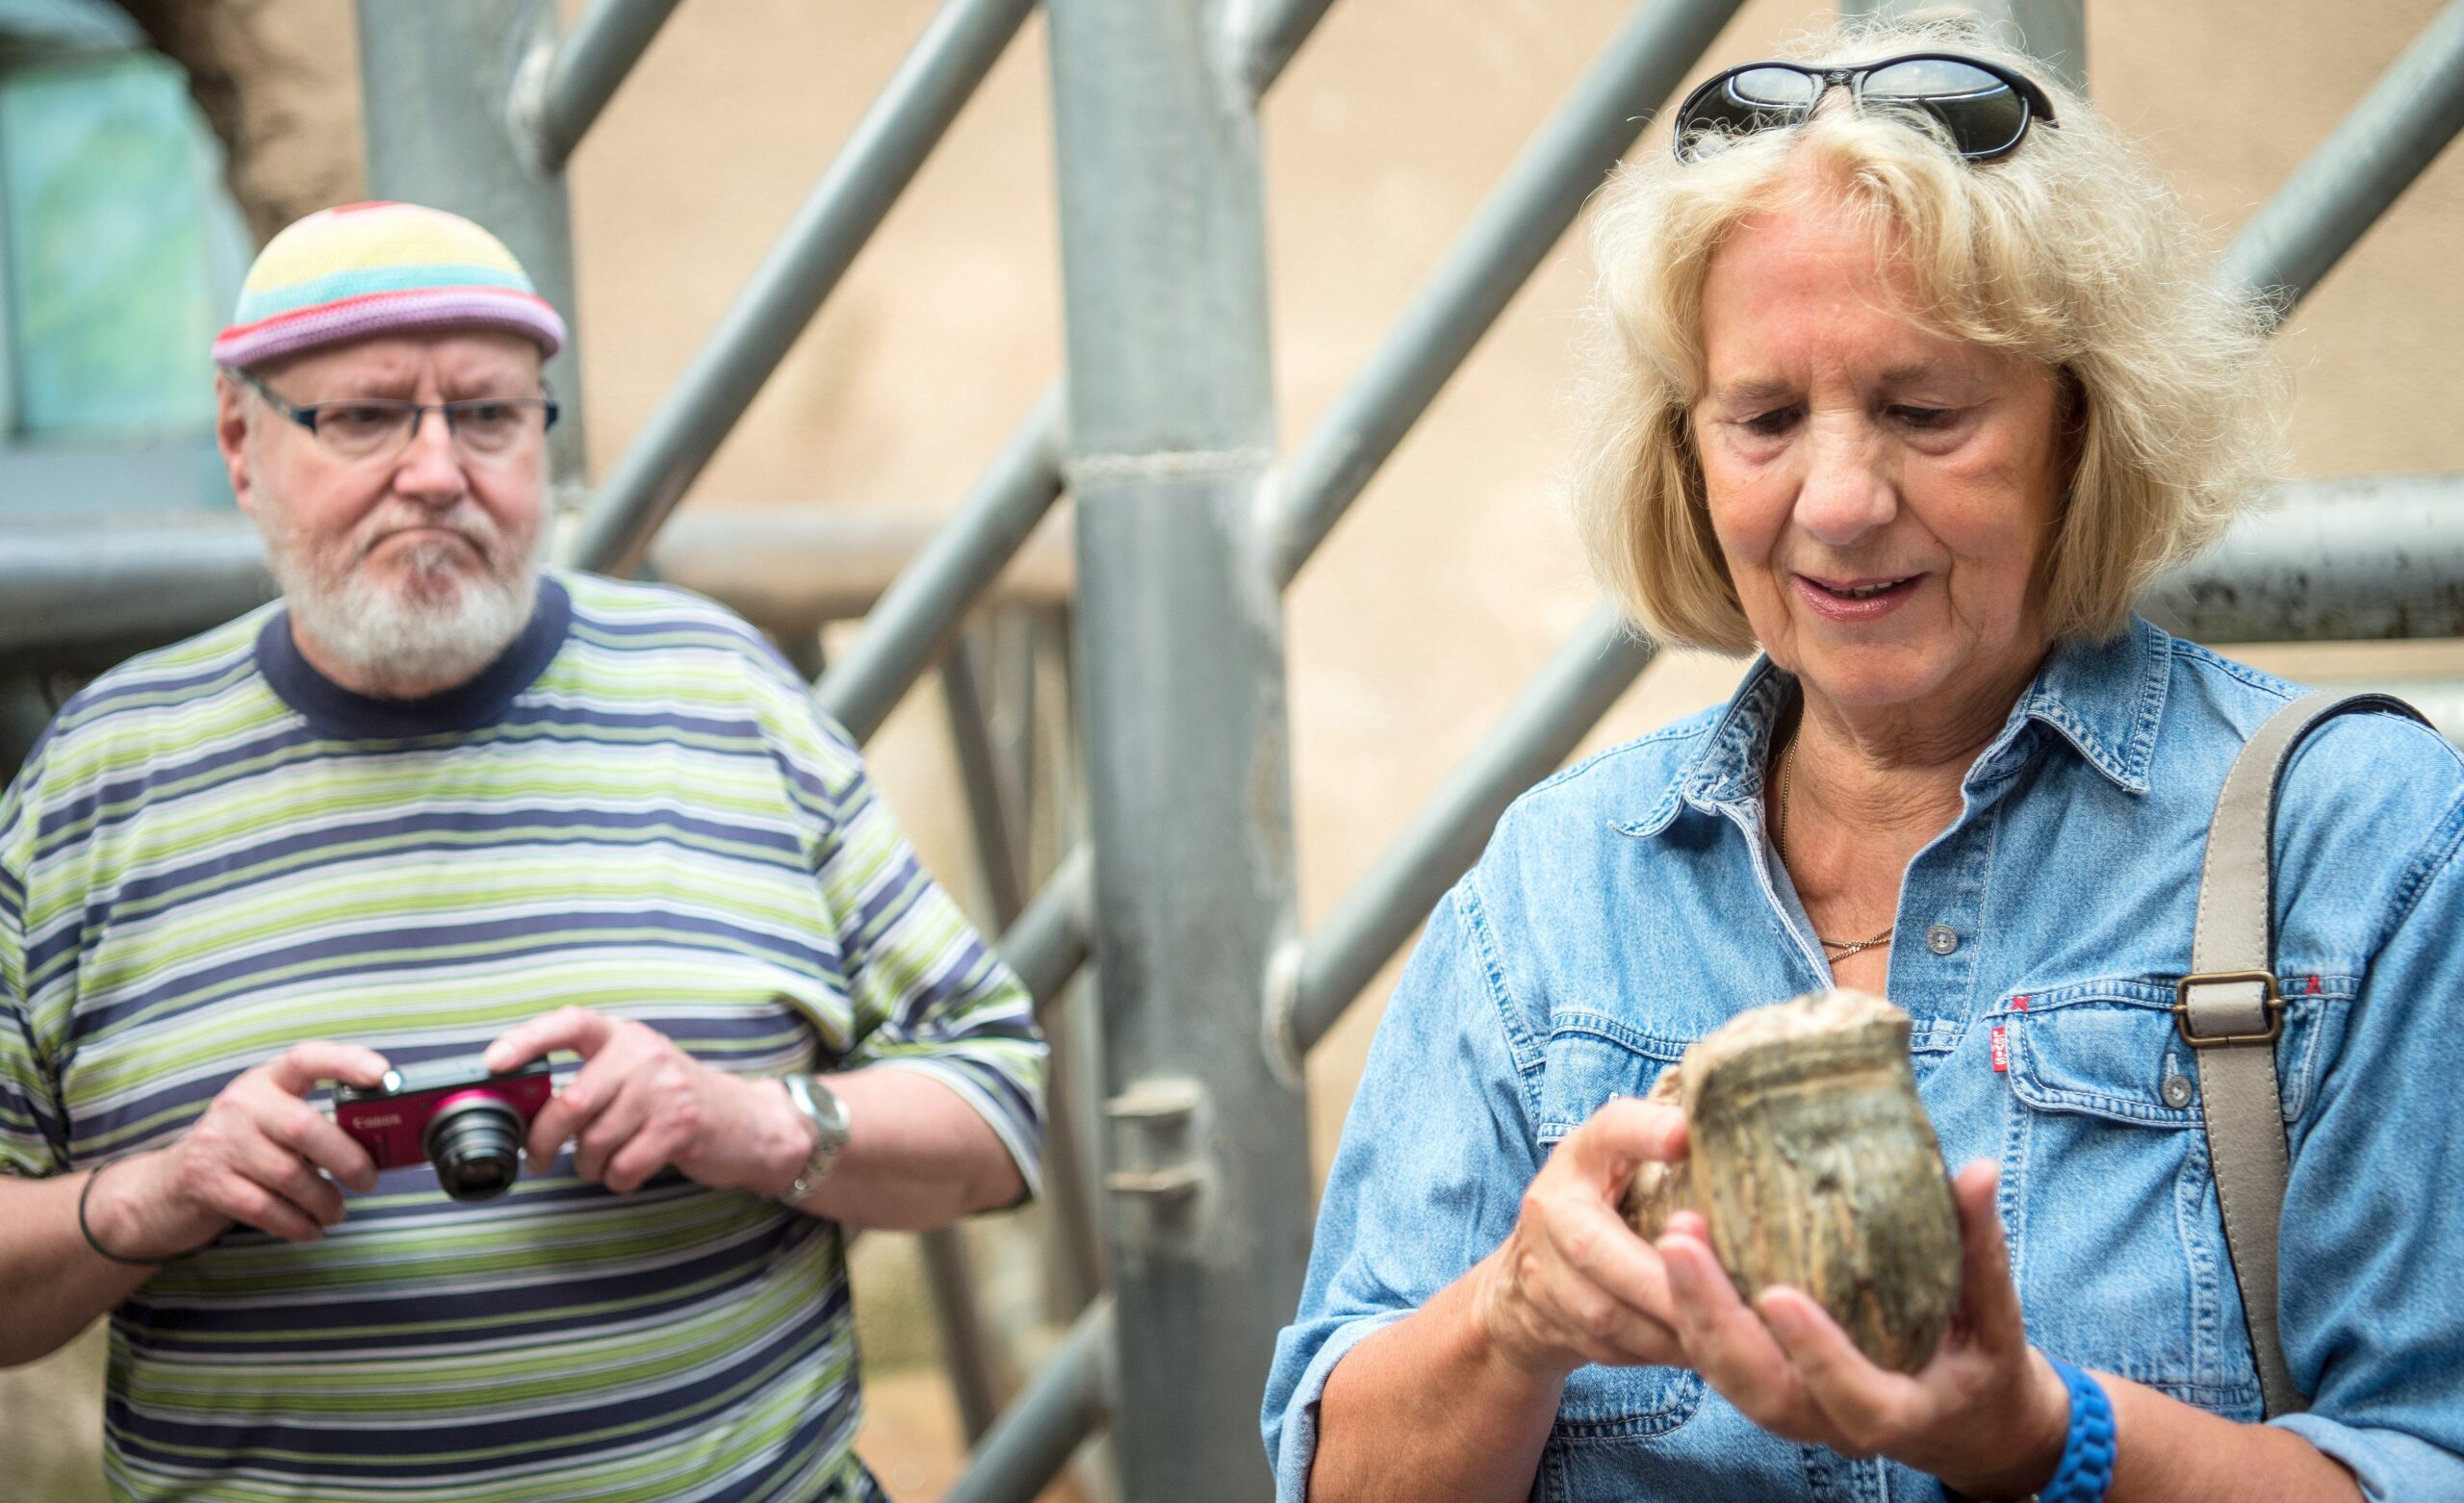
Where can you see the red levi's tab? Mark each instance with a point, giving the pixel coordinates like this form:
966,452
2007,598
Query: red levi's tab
2001,1051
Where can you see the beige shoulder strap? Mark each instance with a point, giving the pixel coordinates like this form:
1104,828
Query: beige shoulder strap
2230,1013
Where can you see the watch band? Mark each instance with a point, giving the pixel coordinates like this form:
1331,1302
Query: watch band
820,1106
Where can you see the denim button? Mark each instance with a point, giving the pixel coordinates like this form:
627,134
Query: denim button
2177,1090
1941,939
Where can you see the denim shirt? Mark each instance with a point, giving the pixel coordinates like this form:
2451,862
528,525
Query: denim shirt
1629,905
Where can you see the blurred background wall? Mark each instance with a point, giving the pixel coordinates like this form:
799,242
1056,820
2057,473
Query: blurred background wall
1456,573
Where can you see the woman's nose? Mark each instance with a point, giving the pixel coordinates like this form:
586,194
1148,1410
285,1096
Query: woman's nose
1846,491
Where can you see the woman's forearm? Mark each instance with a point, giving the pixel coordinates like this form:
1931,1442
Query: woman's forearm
2169,1452
1428,1408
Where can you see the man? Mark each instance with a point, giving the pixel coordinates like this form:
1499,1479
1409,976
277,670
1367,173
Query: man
431,805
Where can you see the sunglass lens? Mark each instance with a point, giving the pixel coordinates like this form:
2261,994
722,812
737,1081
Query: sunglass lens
1985,116
1773,88
1739,104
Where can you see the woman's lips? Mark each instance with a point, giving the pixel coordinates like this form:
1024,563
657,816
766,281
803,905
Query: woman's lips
1857,601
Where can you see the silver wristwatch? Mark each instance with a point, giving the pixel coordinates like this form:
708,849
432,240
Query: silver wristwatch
827,1116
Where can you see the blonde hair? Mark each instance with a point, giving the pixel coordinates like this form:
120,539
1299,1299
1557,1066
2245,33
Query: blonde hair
2068,252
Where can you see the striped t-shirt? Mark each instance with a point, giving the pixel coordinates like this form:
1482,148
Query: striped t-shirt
215,854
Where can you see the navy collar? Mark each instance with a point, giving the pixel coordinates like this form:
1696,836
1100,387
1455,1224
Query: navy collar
346,714
2103,700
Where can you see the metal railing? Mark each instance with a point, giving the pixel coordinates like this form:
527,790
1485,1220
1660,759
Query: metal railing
1183,891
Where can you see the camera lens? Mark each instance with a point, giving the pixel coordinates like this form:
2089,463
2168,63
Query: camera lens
475,1144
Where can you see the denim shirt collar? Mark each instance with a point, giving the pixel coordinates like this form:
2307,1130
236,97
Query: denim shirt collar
2103,700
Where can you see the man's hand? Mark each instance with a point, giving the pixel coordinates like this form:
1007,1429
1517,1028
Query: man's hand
259,1157
641,1104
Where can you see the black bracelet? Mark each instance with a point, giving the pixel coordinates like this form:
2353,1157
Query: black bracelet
83,1225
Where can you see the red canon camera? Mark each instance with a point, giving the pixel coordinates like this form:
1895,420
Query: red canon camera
455,1113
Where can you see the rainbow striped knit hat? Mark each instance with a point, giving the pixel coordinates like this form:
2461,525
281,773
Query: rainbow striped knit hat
365,269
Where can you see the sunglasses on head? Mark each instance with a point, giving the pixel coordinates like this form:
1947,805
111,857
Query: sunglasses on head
1983,107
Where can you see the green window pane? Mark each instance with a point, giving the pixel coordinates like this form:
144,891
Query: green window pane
106,252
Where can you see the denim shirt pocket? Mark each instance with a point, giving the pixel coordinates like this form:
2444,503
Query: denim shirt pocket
1593,1059
2117,1240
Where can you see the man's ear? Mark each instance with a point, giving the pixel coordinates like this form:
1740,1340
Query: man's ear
231,437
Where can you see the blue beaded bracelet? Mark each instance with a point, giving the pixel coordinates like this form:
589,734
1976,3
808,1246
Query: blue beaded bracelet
2085,1472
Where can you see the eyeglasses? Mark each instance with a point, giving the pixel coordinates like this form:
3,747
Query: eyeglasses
1985,108
381,427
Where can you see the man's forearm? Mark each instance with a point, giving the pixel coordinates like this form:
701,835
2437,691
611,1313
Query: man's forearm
917,1156
51,1284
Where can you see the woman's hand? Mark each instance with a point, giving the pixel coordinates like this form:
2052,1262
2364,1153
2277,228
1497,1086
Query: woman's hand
1572,1284
1987,1414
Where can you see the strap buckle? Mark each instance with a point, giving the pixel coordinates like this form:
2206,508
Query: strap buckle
2272,1000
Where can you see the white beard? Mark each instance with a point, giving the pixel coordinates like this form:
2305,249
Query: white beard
433,632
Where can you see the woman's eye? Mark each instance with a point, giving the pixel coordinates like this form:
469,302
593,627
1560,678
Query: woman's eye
1924,419
1771,425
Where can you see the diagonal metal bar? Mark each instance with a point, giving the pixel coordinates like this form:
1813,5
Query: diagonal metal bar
919,612
1544,724
1487,265
2408,116
889,144
1050,940
1068,1401
562,90
1274,37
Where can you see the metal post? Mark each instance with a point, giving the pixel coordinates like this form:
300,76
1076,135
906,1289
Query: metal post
2408,116
1546,722
989,801
966,1353
964,40
1488,264
2052,30
563,90
2332,561
1171,418
438,114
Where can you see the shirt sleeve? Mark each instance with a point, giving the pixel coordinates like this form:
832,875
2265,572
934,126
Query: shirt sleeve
929,993
32,1131
1436,1153
2373,1235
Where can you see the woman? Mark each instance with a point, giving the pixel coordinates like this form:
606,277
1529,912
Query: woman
1911,382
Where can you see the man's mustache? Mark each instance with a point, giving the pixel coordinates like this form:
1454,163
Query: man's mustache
473,531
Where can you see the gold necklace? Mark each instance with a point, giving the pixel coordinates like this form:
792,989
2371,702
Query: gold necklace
1835,949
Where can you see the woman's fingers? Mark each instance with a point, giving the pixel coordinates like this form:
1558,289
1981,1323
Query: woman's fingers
1727,1343
1621,1137
1870,1408
1988,1301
